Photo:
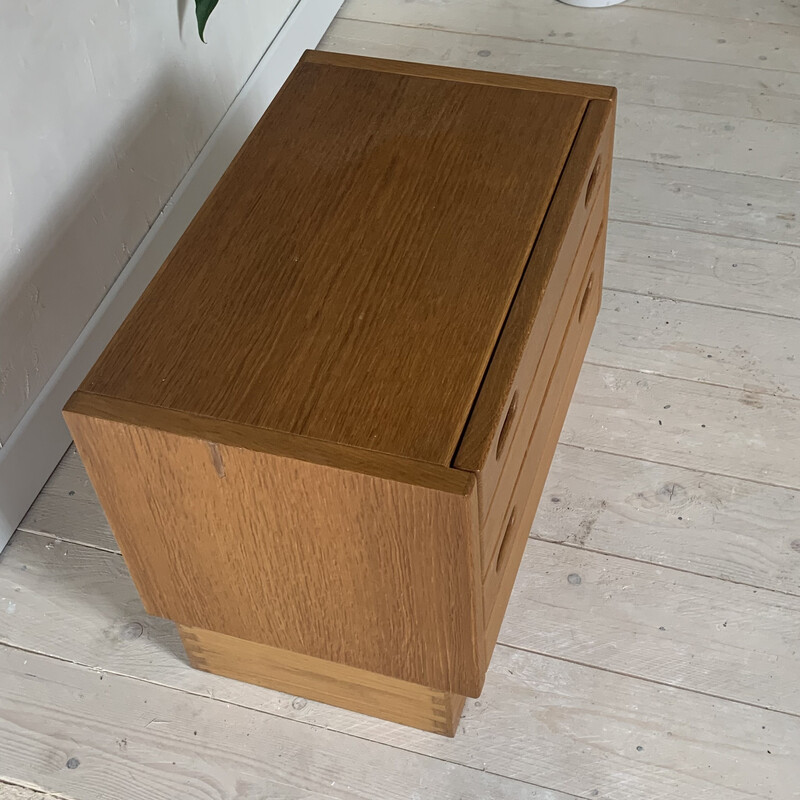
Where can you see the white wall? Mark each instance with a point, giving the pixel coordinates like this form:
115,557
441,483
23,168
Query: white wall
104,104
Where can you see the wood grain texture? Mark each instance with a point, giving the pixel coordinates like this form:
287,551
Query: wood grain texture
325,681
79,604
354,569
616,505
709,139
540,718
691,199
447,73
784,12
349,275
522,344
10,791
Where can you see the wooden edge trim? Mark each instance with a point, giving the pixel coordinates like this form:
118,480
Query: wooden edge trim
478,436
478,611
500,79
288,445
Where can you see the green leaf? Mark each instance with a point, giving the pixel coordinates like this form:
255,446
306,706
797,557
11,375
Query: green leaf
203,9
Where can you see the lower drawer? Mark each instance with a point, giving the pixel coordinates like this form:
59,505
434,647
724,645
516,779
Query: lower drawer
504,560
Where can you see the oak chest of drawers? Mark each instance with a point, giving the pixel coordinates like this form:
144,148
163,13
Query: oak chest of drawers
322,433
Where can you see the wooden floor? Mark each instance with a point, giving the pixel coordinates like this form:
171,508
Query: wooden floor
651,650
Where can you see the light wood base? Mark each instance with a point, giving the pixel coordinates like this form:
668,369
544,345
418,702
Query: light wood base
336,684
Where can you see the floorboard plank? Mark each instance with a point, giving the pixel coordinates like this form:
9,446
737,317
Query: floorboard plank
708,141
626,29
683,630
10,791
751,352
779,12
706,524
703,268
703,201
548,722
702,427
722,527
73,729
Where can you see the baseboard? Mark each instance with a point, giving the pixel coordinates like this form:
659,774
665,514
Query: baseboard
41,438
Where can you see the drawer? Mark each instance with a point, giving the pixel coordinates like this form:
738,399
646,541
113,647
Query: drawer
517,517
530,406
501,422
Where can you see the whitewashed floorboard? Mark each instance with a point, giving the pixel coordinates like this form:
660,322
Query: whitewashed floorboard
723,89
781,12
73,514
753,352
708,141
703,268
552,723
10,791
703,201
623,29
100,736
700,426
707,524
655,623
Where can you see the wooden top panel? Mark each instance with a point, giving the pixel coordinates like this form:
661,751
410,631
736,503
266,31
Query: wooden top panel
348,277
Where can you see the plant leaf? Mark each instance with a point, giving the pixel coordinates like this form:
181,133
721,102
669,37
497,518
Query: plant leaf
203,9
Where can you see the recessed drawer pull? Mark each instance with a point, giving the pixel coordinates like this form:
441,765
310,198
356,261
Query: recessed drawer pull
591,186
502,439
587,293
507,537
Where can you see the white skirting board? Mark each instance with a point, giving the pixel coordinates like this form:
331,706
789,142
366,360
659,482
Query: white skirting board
41,438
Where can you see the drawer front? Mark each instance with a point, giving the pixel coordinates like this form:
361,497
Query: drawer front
518,516
498,418
529,407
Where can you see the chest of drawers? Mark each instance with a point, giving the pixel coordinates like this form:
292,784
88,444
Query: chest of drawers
321,435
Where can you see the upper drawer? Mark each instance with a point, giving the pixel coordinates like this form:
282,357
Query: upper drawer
579,200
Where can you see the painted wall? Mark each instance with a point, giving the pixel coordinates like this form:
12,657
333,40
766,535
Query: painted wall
104,104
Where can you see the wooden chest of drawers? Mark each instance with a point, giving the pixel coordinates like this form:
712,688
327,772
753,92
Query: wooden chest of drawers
322,433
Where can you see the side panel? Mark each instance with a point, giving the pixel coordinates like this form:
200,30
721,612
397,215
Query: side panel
334,564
